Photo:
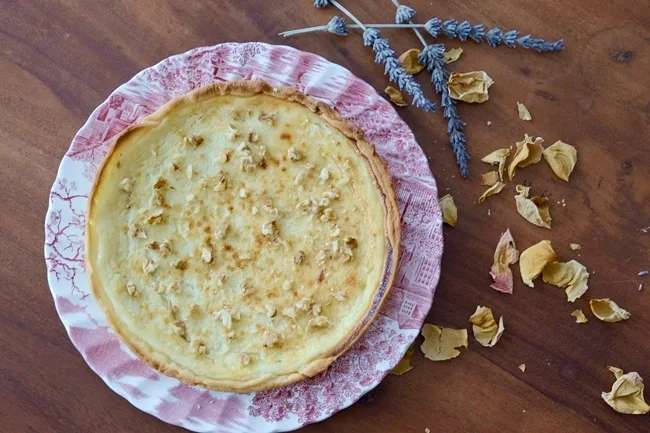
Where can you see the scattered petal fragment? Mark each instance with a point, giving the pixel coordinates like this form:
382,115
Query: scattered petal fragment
490,178
524,114
572,275
494,189
535,210
534,259
405,364
575,247
498,157
470,86
522,367
562,158
486,331
608,311
451,55
580,316
626,395
410,63
506,254
528,152
449,210
440,344
395,96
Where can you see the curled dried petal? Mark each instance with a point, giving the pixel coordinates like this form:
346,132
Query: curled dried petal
534,259
449,210
452,55
410,63
580,316
562,158
494,189
506,254
528,152
524,114
405,363
608,311
498,157
575,247
490,178
626,395
572,275
470,86
486,331
522,367
395,96
535,210
440,344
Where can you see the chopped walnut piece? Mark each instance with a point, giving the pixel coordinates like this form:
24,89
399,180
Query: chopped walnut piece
304,304
126,184
328,214
232,132
225,317
203,183
244,358
268,117
316,309
270,338
135,231
158,199
165,247
179,264
206,255
152,245
299,258
253,137
243,193
155,217
172,309
221,230
148,267
270,310
293,154
318,322
194,139
324,174
286,285
198,347
178,327
268,229
247,163
289,312
130,289
221,184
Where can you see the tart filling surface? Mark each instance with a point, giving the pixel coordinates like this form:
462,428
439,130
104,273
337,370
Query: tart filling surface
238,236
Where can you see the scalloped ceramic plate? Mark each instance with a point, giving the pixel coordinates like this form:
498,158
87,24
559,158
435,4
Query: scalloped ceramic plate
357,371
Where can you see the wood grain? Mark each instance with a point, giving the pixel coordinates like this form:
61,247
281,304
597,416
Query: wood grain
60,59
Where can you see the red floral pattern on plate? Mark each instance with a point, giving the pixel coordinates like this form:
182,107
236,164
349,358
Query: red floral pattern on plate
356,372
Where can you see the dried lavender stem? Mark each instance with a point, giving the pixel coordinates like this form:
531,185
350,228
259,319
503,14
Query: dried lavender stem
288,33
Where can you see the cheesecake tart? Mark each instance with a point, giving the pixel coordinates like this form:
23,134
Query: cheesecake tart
241,237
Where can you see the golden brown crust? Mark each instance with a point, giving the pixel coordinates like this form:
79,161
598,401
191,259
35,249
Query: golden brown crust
247,88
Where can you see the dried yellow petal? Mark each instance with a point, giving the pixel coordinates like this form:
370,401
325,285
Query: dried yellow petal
580,316
498,157
608,311
535,210
410,63
494,189
449,210
470,86
395,96
452,55
524,114
534,259
405,363
626,395
528,152
506,254
440,344
486,330
575,247
522,367
490,178
562,158
572,275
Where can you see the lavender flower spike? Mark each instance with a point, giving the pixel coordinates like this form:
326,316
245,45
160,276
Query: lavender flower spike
337,26
404,14
321,3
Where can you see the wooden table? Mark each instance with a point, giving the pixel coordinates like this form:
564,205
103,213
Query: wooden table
60,59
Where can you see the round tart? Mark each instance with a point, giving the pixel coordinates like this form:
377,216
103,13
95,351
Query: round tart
239,238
